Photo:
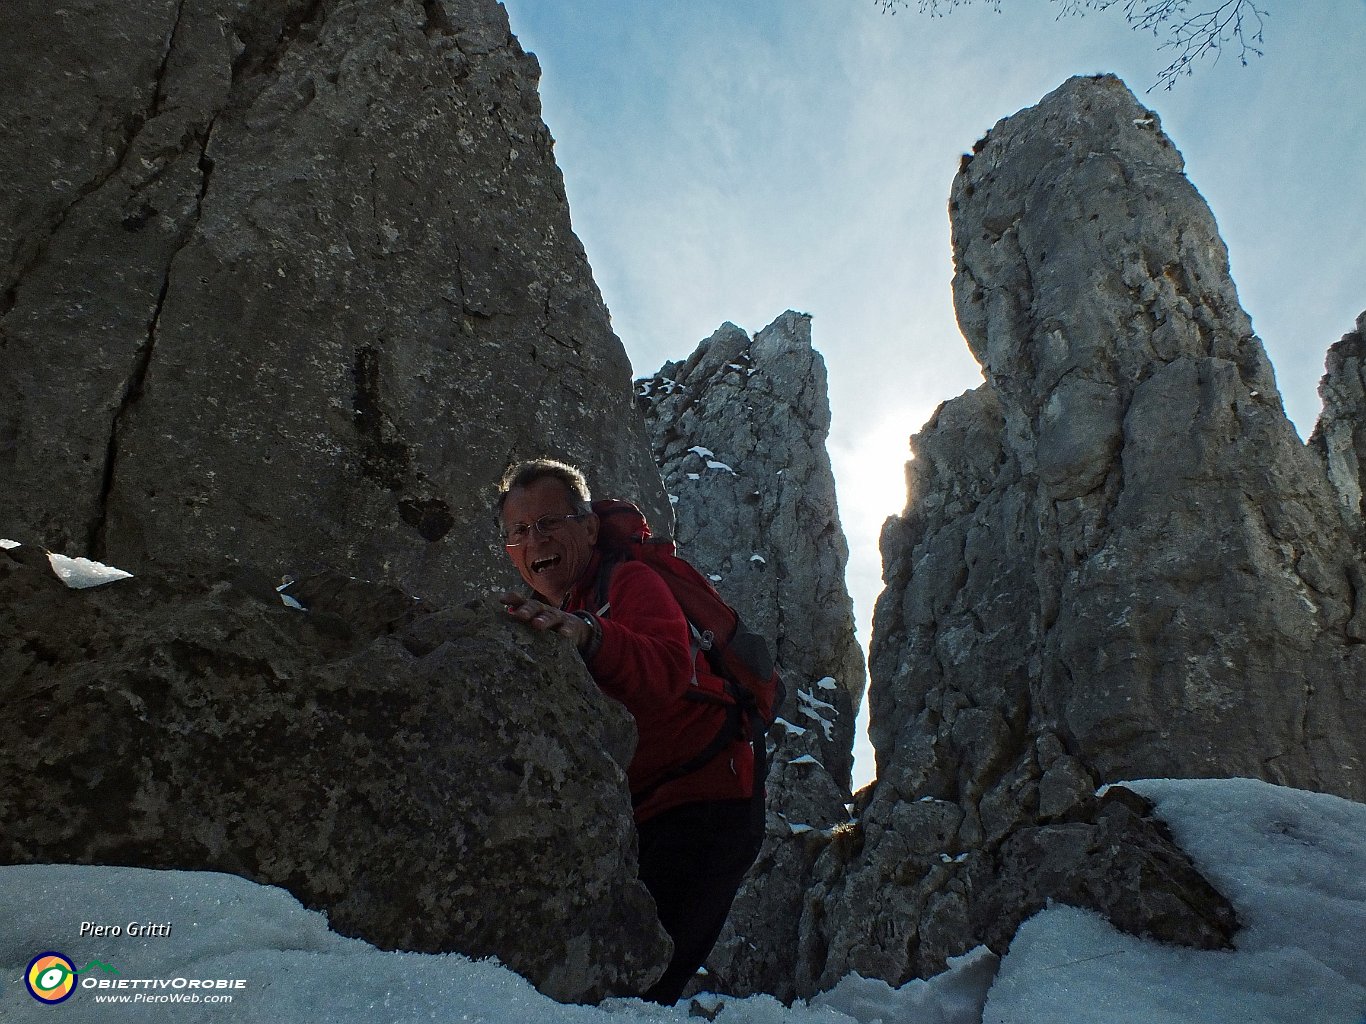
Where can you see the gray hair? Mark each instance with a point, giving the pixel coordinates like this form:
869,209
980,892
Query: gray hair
524,474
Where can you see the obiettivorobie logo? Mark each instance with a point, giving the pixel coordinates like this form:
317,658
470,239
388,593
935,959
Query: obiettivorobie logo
51,977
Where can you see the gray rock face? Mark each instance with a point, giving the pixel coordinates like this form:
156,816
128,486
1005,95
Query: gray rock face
1340,435
1117,560
739,433
434,780
738,430
289,283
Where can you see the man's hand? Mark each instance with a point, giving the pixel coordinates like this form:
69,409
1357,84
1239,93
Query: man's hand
541,617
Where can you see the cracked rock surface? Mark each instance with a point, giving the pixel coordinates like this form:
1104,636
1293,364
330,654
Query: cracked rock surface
290,283
433,779
739,431
1117,561
1340,435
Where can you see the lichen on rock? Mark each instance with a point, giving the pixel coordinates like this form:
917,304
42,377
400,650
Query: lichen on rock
438,780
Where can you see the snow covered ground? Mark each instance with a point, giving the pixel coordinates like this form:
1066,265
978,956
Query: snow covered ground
1293,863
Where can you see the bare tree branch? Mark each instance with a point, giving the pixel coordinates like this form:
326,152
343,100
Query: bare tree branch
1233,25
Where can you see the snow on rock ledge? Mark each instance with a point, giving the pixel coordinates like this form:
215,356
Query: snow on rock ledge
83,573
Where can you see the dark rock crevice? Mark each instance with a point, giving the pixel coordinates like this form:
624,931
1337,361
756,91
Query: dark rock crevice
437,21
268,34
384,456
33,250
136,381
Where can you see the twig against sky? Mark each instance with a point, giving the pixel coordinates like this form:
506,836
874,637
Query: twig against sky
1191,36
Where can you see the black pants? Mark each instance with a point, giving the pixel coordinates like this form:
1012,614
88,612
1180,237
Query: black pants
692,859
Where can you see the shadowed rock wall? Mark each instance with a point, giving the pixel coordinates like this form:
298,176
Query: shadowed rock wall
739,431
1340,435
434,780
289,283
1117,560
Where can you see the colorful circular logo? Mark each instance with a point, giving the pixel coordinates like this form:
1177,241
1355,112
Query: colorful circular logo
50,978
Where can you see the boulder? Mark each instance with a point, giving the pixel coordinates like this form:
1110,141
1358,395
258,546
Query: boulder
1117,561
739,431
437,780
290,283
1110,854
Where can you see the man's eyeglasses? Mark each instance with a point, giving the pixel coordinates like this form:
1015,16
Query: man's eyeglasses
516,535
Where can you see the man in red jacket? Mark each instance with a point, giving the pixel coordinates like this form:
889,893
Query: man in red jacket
697,834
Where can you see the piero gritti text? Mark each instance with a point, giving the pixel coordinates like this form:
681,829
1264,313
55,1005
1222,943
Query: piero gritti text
133,929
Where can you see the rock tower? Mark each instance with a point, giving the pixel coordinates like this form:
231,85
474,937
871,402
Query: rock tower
739,431
1117,561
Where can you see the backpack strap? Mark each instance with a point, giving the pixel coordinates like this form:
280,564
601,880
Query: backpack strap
605,571
698,642
726,735
741,709
737,712
758,734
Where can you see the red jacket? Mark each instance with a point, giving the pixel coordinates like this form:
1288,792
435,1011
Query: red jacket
645,663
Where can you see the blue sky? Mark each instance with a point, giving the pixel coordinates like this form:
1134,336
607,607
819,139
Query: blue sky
729,160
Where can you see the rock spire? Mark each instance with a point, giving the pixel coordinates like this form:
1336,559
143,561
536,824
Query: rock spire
739,431
1340,435
1117,561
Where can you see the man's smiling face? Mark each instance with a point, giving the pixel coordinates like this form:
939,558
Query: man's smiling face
551,564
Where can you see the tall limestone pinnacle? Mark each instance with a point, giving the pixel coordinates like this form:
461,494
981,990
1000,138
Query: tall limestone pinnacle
1117,561
739,432
289,283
